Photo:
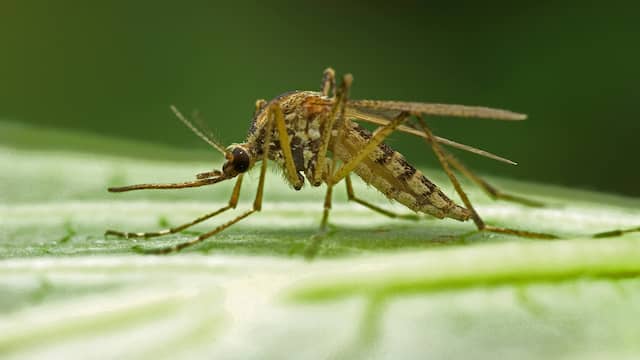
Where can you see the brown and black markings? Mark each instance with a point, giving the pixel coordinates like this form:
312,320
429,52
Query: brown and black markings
316,136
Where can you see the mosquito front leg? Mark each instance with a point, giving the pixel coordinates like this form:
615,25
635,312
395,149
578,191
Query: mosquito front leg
276,115
233,201
480,224
257,204
352,197
180,246
493,192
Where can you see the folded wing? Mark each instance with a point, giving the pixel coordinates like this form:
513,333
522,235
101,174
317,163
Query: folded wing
354,113
438,109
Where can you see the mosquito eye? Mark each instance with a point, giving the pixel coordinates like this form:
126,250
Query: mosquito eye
240,160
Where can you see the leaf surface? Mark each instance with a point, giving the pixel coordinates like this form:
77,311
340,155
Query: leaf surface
379,288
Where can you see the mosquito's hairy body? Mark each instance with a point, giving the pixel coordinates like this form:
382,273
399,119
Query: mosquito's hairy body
307,112
315,137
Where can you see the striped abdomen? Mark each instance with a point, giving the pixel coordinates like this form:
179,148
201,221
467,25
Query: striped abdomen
388,171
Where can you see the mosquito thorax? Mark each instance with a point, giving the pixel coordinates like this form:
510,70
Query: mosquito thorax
238,160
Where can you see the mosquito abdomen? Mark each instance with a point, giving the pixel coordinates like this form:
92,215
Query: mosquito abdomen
389,172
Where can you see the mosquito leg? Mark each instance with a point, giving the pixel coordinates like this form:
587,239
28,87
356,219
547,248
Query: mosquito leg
312,249
615,233
327,208
376,139
352,197
180,246
276,115
321,170
343,95
233,201
257,205
338,108
328,82
260,104
493,192
465,199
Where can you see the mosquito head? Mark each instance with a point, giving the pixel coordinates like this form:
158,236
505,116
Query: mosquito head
239,160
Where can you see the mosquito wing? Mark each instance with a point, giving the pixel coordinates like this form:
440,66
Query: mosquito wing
437,109
382,116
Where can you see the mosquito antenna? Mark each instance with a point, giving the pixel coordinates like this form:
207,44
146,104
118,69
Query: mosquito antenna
196,131
199,122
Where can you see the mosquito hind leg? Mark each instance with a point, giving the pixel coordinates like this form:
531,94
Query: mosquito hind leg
233,201
334,176
480,224
378,136
493,192
352,197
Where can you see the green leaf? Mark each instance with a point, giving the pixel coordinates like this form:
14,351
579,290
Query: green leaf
378,288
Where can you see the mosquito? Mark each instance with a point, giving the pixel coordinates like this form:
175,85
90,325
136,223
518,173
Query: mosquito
315,136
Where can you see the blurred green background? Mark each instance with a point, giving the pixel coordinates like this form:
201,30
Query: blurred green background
114,68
